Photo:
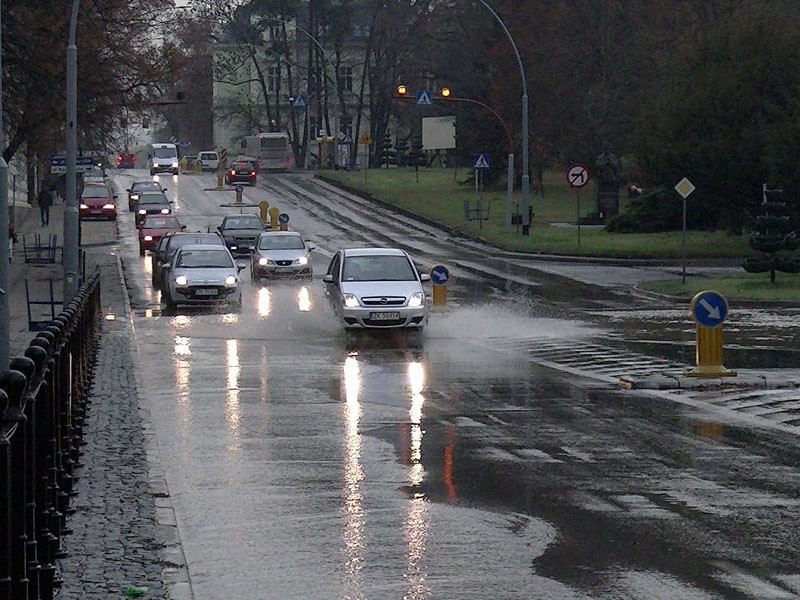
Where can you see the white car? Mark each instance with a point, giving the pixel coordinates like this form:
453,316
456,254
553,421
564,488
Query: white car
208,160
203,274
377,288
281,255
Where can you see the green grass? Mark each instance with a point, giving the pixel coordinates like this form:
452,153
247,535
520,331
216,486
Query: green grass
747,288
440,194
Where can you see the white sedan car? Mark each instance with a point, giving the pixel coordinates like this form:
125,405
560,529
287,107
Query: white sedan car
203,274
377,288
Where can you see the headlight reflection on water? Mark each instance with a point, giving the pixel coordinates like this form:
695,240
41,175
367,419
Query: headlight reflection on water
353,474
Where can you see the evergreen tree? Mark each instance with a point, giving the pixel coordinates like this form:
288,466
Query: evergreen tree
773,235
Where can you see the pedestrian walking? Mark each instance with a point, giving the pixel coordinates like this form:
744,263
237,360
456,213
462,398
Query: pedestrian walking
45,202
12,239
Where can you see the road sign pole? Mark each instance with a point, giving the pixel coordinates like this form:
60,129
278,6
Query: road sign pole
578,219
510,193
683,246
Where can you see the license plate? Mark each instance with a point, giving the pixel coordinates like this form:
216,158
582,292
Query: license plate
205,292
385,316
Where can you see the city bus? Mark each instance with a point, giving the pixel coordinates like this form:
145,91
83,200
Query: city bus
272,149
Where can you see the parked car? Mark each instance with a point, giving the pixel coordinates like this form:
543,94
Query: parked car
169,244
376,288
97,202
240,232
154,227
203,274
208,160
281,255
126,160
138,187
241,171
152,203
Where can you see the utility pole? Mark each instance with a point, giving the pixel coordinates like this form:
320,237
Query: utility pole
71,223
4,255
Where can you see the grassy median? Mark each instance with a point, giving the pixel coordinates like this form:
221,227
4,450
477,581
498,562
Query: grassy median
442,195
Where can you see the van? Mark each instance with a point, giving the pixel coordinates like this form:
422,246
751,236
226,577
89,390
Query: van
208,160
163,158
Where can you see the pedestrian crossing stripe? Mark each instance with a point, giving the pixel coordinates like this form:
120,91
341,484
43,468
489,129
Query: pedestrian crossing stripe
481,162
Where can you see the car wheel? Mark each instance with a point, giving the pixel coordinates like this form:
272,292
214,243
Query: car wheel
152,172
141,250
175,171
167,298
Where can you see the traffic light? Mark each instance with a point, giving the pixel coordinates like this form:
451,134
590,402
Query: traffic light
402,90
444,92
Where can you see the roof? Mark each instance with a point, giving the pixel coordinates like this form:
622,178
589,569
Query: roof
373,252
214,247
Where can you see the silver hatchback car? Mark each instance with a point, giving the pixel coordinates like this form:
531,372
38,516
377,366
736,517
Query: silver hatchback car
377,288
203,274
281,255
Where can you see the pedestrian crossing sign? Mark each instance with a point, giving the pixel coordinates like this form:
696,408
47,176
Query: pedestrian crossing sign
299,101
424,98
480,162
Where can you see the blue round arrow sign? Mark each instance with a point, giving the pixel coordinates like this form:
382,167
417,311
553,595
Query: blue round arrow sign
440,274
709,308
283,218
239,189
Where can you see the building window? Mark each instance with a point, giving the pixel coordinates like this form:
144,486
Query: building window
346,78
274,79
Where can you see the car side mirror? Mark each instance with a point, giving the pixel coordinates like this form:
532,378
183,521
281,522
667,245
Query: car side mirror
311,247
115,196
183,227
327,278
424,277
239,267
128,190
163,189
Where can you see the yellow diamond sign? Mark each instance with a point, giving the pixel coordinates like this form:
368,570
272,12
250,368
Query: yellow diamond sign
684,187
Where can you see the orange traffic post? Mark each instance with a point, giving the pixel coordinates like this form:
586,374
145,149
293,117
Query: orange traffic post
439,295
273,217
220,178
262,207
439,275
709,310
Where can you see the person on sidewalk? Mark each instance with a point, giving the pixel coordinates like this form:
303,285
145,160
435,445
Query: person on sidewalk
45,202
12,239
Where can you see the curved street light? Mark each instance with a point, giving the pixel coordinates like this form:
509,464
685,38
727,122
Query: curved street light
525,176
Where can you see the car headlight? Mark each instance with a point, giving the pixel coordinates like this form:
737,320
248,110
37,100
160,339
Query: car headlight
350,301
164,211
416,299
142,211
174,163
108,206
230,280
181,280
134,196
148,238
84,206
263,261
303,260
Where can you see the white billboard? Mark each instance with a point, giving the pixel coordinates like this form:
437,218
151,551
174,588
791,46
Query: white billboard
439,133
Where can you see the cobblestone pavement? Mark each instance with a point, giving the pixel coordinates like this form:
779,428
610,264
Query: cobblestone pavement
123,540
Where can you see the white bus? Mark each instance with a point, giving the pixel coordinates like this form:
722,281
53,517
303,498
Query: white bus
272,149
162,158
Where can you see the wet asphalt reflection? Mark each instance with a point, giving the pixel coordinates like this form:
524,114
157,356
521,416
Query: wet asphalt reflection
306,463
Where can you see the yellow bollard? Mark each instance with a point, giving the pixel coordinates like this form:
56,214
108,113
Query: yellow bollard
197,168
709,309
439,295
263,206
182,165
273,216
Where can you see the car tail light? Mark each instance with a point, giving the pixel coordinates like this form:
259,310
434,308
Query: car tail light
252,173
287,160
233,171
119,159
133,158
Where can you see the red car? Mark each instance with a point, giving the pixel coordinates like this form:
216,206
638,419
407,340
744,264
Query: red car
154,227
97,202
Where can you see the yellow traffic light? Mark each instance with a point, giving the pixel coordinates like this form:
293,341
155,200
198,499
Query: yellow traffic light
445,92
402,90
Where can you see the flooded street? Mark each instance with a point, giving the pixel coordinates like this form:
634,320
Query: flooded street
489,458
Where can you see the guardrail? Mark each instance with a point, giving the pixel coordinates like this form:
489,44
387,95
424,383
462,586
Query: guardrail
43,402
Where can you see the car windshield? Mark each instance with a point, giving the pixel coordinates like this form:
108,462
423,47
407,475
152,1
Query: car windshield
204,258
281,242
377,268
244,166
161,223
165,153
95,191
153,199
181,240
243,223
141,186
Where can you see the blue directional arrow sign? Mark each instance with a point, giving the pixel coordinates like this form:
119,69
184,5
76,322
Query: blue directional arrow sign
440,274
239,189
424,97
283,218
299,101
709,308
480,162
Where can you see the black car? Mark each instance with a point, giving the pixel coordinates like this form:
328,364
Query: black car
126,160
240,232
152,203
242,171
169,244
139,187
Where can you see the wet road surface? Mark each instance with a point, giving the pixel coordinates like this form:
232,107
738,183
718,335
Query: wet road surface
302,463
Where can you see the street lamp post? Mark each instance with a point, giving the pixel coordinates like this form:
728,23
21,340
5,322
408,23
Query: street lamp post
5,343
525,176
71,222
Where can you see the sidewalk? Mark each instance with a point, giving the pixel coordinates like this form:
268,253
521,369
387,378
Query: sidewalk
118,534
